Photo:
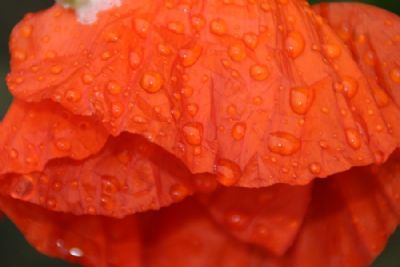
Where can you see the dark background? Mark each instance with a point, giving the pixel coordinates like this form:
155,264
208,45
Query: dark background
14,251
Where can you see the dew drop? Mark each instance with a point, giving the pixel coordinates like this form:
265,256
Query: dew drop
395,75
110,185
239,131
237,52
152,82
295,44
353,138
315,168
259,72
218,27
141,27
301,99
198,22
381,97
76,252
193,133
205,182
176,27
179,192
228,173
283,143
135,59
350,86
63,144
72,96
113,88
190,56
250,40
236,220
332,51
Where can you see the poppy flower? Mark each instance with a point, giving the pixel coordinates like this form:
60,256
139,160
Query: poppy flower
173,133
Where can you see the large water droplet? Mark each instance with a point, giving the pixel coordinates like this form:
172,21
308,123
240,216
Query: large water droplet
193,133
237,52
228,173
259,72
353,138
218,27
301,99
190,56
295,44
152,82
283,143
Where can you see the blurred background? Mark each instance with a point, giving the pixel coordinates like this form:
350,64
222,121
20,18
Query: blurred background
14,250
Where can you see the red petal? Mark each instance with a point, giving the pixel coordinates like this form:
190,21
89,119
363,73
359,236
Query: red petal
183,235
129,175
270,217
255,91
33,134
349,221
88,240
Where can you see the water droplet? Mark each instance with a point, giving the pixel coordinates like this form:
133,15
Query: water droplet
295,44
395,75
56,69
141,27
353,138
176,27
381,97
117,109
205,183
76,252
259,72
72,96
350,86
63,144
179,192
24,187
198,22
239,131
110,185
193,133
13,154
107,202
114,88
283,143
250,40
190,56
332,51
192,109
315,168
228,173
237,52
135,59
87,78
301,99
152,82
218,27
236,220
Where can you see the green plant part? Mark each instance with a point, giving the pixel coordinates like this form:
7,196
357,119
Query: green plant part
73,3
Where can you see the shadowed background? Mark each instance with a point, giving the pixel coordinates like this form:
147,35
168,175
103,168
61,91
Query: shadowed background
14,251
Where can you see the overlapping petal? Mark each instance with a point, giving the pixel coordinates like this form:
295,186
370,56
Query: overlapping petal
129,175
210,88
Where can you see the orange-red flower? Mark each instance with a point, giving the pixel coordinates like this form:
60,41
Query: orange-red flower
232,108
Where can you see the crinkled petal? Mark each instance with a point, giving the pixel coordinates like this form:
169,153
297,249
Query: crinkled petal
183,235
92,241
32,134
269,217
129,175
269,95
350,219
